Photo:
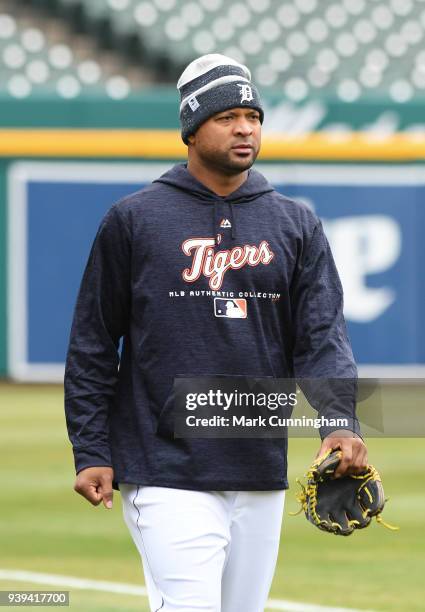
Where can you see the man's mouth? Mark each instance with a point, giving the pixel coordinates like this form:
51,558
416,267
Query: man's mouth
242,148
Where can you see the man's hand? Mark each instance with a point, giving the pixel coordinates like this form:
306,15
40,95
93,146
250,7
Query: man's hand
95,484
354,452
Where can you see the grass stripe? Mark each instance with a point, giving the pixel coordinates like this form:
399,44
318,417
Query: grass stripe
130,589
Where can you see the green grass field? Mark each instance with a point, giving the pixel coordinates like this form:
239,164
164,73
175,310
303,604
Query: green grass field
46,527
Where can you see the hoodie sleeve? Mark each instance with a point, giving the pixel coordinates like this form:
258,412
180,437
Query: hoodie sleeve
323,361
101,318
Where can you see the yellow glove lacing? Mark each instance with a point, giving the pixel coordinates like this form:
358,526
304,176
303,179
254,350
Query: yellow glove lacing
308,496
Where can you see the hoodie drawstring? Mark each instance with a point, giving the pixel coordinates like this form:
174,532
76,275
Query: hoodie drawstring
217,219
191,189
232,221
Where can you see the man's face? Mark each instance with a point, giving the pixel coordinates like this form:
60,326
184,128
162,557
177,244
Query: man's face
229,141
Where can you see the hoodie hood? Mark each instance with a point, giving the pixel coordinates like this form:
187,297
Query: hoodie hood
180,178
254,187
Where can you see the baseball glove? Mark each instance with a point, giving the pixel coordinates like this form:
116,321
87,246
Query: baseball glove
341,505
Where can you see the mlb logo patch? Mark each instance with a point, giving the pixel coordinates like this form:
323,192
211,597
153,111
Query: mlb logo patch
193,103
232,309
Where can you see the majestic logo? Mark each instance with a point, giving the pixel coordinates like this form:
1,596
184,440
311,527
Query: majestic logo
214,265
246,93
225,223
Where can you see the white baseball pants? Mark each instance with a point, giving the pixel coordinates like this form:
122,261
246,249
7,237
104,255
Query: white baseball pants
213,551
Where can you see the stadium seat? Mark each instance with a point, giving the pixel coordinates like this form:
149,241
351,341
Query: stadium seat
347,49
39,58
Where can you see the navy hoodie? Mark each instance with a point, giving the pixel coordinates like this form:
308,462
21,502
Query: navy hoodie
160,259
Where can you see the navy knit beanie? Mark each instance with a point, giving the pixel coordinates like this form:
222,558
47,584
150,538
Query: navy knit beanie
211,84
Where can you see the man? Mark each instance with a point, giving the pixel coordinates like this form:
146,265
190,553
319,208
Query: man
206,272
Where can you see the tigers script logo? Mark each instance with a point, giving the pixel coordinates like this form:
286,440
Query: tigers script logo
215,265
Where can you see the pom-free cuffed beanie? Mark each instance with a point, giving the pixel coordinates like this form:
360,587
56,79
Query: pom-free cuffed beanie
211,84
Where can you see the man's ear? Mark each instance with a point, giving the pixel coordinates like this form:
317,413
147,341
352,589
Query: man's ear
191,139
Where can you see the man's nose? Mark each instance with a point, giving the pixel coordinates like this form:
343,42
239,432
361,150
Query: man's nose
243,126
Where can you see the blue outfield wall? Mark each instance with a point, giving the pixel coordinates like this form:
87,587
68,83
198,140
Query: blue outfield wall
373,216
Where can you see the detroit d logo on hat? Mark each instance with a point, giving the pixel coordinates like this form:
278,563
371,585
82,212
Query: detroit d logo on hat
246,93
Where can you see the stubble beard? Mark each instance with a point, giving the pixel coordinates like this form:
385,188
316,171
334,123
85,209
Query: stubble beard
222,161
